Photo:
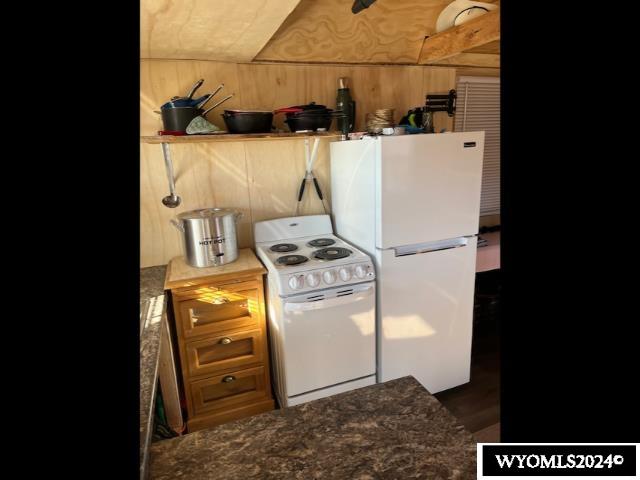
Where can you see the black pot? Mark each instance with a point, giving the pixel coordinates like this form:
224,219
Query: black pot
178,118
245,112
313,122
258,122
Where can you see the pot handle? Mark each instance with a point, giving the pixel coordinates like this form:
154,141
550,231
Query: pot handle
177,225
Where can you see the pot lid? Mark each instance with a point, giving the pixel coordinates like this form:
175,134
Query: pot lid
206,213
313,114
235,112
294,108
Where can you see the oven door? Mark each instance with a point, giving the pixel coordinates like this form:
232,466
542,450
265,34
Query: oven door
329,337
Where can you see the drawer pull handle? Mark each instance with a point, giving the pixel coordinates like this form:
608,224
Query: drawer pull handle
225,341
228,378
220,300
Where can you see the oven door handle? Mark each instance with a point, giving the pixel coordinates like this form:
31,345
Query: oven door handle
356,296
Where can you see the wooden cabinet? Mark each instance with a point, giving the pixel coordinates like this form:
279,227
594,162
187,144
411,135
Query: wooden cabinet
221,328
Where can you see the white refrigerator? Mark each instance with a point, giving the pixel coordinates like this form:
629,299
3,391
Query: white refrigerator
412,202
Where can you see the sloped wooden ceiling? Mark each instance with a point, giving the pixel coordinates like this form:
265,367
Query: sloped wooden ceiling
390,31
223,30
309,31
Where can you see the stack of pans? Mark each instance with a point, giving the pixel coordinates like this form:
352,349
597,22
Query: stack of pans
308,117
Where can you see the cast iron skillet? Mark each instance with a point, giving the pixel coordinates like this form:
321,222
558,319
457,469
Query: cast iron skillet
248,122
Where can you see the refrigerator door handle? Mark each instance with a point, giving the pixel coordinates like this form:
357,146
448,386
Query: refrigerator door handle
431,246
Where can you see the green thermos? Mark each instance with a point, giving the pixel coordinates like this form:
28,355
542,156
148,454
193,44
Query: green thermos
344,104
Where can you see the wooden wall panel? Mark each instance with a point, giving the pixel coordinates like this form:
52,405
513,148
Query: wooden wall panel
477,72
275,170
261,178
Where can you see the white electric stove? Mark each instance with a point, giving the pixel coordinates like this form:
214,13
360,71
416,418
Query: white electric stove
321,309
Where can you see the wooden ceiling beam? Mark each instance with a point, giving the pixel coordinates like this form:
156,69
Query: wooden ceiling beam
472,34
485,60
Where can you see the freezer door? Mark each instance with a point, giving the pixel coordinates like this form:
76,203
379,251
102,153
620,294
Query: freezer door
425,314
428,187
328,340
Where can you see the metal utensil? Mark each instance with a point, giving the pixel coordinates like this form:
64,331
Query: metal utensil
185,102
195,87
220,87
172,200
203,101
309,176
217,104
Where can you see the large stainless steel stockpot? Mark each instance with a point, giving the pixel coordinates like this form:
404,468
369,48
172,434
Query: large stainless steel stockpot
209,236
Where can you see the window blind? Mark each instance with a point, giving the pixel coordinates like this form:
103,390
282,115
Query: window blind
477,109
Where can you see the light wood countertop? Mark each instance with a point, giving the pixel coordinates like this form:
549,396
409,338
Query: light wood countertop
180,274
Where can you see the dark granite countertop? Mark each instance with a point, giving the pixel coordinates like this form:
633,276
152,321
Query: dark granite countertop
391,430
153,304
152,282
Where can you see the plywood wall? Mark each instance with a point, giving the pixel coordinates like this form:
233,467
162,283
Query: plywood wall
260,178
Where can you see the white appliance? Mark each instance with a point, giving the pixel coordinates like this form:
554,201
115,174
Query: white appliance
412,202
321,309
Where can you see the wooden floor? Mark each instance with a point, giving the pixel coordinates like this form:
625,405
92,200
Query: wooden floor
477,404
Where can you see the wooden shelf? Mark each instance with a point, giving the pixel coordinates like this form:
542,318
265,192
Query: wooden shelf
232,137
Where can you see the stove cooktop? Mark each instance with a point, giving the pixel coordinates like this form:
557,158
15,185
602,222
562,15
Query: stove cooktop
310,252
308,264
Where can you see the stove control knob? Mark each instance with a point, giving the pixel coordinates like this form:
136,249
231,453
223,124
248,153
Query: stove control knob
329,277
345,274
313,279
361,271
296,282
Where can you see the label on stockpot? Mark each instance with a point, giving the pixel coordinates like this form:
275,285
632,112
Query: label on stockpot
211,241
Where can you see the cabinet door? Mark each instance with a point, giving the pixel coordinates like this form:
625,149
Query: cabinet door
216,310
228,390
225,352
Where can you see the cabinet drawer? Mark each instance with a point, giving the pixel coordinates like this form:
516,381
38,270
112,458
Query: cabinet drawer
224,391
189,293
225,352
214,312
